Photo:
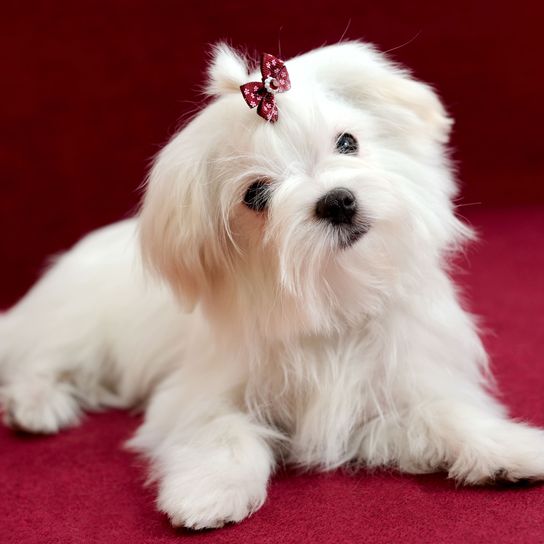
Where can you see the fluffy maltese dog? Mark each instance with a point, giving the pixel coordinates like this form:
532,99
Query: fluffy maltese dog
282,296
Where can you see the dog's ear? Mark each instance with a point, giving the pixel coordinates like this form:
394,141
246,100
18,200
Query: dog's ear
182,230
179,226
360,74
227,70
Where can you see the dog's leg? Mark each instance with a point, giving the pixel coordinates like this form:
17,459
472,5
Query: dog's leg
474,444
454,425
37,362
437,413
81,335
211,462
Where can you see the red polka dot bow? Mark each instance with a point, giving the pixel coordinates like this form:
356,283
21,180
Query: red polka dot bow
275,79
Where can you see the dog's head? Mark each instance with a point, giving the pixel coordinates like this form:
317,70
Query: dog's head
315,221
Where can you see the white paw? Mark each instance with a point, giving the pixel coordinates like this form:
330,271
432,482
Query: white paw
210,504
39,405
210,492
509,452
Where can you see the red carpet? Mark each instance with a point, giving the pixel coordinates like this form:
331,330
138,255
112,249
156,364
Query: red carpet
80,486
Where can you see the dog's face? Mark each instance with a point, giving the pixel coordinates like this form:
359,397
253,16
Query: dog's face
318,220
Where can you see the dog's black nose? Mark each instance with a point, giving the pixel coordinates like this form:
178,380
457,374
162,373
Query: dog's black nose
338,206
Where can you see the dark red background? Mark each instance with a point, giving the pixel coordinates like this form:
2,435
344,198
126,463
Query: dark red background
89,90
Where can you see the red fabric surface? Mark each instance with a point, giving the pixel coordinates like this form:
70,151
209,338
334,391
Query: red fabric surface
91,89
80,486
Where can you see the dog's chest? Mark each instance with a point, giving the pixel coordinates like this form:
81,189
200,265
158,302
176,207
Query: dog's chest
320,395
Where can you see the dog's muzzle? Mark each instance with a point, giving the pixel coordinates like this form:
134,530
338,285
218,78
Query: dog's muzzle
339,208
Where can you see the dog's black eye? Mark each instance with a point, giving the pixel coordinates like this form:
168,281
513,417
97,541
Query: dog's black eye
257,195
347,144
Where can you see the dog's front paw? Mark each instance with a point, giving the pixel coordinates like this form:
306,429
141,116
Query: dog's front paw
207,500
207,488
509,452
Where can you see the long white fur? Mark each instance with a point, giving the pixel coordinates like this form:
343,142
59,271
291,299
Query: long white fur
257,338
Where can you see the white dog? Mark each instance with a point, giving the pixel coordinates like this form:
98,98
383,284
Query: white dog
318,325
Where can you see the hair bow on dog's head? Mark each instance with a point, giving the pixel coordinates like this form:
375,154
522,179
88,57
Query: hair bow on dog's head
275,79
